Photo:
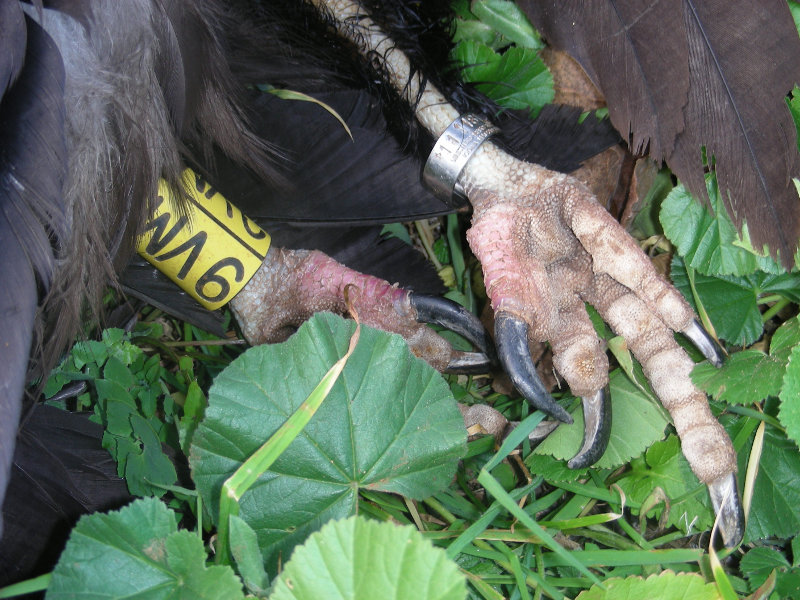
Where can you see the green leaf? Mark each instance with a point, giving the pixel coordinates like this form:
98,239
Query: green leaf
249,562
786,337
194,407
507,18
390,423
636,423
358,559
473,30
117,372
788,583
665,466
795,551
789,413
553,469
516,79
705,241
665,586
138,552
396,230
758,563
116,405
147,468
186,557
746,377
776,494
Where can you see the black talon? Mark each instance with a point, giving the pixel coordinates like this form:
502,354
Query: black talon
448,314
511,334
542,431
727,505
469,363
704,342
596,430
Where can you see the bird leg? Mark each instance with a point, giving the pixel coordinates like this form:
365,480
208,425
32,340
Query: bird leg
546,246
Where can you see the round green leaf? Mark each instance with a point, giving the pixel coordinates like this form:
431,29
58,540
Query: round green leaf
138,552
508,19
390,423
358,559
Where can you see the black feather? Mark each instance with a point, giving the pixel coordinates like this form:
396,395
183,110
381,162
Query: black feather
32,222
13,32
558,139
60,472
335,179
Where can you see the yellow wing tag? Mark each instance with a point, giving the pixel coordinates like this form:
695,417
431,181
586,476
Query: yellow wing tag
210,249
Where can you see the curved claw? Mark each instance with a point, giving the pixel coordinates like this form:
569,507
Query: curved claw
728,507
511,334
704,342
448,314
596,430
469,363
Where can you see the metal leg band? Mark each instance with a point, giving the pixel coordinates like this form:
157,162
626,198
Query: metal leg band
452,152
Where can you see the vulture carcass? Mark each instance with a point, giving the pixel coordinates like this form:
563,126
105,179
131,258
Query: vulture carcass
102,100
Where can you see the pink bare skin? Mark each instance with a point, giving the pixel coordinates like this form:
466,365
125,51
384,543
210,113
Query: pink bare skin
292,285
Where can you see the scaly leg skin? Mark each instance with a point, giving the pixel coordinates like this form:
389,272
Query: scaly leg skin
298,283
546,246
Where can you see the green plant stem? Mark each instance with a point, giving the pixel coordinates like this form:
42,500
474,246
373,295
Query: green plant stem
29,586
701,309
602,535
484,551
534,580
439,508
230,342
482,587
456,251
774,309
539,570
425,237
755,414
634,535
769,299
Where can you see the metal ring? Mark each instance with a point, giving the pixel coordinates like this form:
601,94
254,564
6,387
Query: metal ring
452,152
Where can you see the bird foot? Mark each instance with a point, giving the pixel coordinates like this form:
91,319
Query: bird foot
547,247
292,285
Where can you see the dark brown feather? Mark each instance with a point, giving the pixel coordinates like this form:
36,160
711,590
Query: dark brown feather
680,75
